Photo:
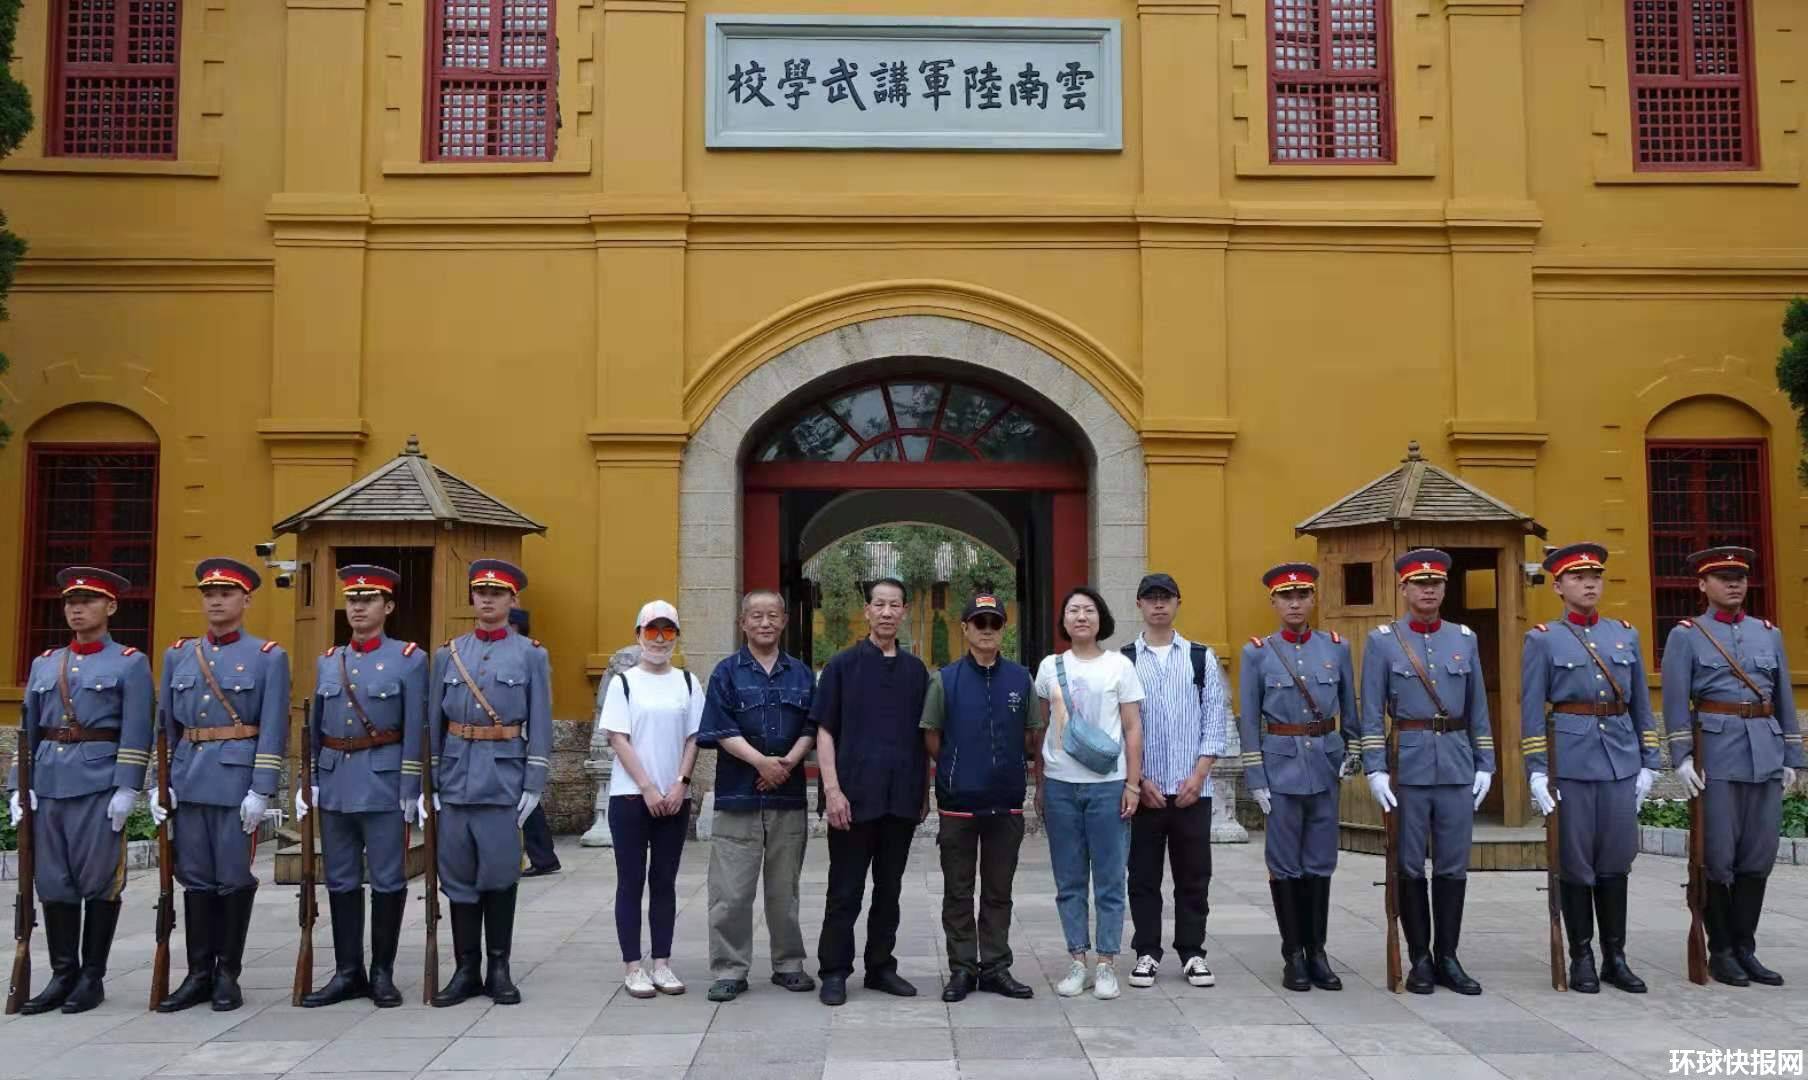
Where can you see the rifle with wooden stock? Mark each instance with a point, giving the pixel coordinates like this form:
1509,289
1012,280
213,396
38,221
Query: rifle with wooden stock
1395,979
430,872
307,903
166,880
1552,856
1698,875
25,912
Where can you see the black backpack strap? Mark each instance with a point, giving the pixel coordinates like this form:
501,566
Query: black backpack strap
1199,652
1129,652
623,676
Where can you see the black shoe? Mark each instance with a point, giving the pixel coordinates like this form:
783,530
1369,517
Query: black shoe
890,982
834,990
1315,919
795,981
1610,910
235,925
1447,895
1748,905
959,985
727,989
199,917
98,923
1582,977
1577,901
1001,982
63,937
349,981
386,910
1415,926
467,952
541,871
1286,897
498,941
1755,969
1422,977
1725,968
1451,976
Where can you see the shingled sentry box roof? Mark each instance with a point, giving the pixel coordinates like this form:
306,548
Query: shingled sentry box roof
1417,492
412,488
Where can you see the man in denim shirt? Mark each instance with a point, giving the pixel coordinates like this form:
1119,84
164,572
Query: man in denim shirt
756,713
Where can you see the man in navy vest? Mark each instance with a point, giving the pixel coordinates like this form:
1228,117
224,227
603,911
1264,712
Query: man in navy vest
977,710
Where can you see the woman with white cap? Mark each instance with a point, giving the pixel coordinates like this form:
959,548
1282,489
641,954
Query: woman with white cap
652,712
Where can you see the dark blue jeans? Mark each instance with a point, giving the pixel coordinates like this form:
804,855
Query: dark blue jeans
647,850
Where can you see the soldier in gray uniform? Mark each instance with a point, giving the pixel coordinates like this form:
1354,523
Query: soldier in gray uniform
368,712
491,723
1727,673
1590,673
86,721
1296,686
1446,760
224,703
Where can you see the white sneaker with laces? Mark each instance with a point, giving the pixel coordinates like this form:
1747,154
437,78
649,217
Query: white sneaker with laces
1075,983
638,984
1143,974
1197,973
1104,982
667,981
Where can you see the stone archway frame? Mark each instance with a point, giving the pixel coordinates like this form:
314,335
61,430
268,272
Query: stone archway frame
760,370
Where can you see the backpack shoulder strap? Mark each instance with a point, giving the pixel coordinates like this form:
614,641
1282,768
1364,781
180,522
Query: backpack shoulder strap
1129,652
1198,652
623,676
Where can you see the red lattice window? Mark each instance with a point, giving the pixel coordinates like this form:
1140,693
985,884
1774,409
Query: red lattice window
1704,494
493,90
1330,95
113,78
88,505
1692,102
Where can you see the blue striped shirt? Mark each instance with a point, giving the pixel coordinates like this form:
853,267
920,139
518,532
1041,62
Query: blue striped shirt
1180,725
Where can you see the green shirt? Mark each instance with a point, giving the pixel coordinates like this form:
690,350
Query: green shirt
935,708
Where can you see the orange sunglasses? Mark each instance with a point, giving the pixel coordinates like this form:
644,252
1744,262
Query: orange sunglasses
659,633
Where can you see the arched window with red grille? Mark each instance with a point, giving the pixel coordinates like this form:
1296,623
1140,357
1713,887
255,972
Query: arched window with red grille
1330,83
1703,494
113,78
492,82
1691,72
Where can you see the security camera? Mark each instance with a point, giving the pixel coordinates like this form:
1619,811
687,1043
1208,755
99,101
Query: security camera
266,549
1534,573
285,580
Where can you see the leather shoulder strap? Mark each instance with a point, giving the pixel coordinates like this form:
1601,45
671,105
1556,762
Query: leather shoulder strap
63,689
1618,698
213,684
1712,640
351,697
471,684
1299,684
1424,676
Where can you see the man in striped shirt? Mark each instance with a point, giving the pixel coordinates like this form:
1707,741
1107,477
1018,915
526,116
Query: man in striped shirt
1184,722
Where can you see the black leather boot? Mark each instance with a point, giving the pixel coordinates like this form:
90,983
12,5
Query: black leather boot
1718,919
1286,916
1415,925
199,918
1447,895
63,937
1748,906
385,933
1315,920
1610,910
98,923
234,926
348,982
1579,923
498,940
467,952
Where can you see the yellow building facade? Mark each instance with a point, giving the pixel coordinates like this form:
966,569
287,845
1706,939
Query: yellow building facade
602,339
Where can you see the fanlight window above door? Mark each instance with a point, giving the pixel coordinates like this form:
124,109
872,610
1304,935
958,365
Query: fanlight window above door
915,420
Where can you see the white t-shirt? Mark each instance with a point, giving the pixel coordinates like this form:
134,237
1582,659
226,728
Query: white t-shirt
657,716
1095,689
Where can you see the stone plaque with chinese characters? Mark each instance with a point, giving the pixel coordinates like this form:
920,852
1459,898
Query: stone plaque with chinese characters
858,82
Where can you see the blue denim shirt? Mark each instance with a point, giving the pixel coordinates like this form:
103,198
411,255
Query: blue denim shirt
770,711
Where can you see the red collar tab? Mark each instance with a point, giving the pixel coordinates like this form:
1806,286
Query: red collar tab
1582,620
86,648
491,635
1296,639
369,646
1733,617
223,639
1418,627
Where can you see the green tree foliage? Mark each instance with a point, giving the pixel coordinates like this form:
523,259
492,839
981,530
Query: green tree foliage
938,642
15,121
1792,368
838,575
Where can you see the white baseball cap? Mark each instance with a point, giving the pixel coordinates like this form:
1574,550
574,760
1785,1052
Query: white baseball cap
655,609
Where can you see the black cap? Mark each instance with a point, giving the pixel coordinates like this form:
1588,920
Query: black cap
1153,582
984,603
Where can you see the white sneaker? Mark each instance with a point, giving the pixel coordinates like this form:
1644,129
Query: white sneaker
666,981
638,984
1075,983
1143,974
1196,973
1104,982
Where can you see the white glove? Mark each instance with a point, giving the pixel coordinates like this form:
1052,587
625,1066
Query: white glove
1788,778
251,811
159,812
529,800
1262,800
18,813
1348,766
1382,791
1645,779
1483,781
414,811
1692,782
1542,796
119,807
303,806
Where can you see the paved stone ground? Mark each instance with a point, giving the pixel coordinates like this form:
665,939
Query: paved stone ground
576,1025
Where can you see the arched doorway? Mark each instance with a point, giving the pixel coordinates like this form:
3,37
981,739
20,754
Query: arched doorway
944,444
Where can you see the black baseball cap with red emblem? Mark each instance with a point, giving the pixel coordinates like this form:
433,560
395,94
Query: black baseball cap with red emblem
984,603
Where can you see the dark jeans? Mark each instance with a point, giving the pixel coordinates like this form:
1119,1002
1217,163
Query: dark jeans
536,837
986,848
647,850
1185,837
883,845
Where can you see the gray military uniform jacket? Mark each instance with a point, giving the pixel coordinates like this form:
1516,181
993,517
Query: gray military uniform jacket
1391,684
515,677
1556,667
1750,750
390,683
254,674
1267,694
111,690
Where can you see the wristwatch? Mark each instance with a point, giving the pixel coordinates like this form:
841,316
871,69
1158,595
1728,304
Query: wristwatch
685,780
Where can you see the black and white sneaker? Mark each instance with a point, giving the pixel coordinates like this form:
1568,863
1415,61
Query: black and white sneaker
1143,974
1197,973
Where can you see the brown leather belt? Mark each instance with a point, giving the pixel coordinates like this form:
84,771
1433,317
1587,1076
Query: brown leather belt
1588,708
81,734
362,742
1750,710
220,733
1435,723
1312,730
485,732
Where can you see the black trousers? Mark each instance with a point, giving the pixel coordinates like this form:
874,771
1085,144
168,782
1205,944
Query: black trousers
882,846
536,837
1184,836
982,851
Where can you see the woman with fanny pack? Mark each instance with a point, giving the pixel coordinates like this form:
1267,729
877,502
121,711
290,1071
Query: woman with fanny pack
1089,783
